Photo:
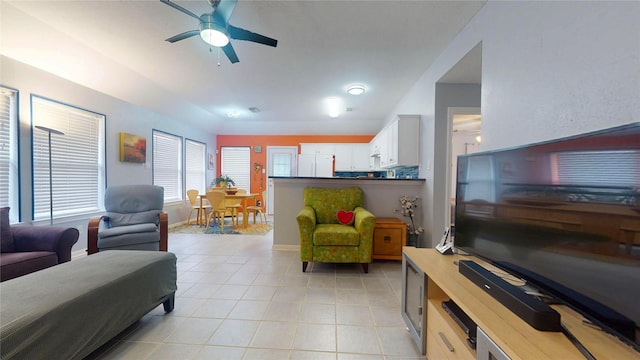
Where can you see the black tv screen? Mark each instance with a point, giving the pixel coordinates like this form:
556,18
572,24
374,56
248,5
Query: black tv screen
565,216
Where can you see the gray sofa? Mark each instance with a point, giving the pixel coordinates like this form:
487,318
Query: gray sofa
25,249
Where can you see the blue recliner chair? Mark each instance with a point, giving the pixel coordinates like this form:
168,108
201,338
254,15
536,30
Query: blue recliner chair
134,220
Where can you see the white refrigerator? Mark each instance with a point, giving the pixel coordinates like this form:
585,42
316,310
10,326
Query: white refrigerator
315,165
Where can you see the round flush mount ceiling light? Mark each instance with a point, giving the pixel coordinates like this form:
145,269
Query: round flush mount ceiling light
356,89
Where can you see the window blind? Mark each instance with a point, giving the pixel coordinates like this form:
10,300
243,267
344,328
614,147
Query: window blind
236,163
77,159
195,165
9,184
480,179
167,164
597,167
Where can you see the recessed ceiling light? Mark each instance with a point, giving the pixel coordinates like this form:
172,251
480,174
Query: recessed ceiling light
335,106
356,89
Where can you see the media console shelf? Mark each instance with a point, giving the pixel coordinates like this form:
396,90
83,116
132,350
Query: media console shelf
518,340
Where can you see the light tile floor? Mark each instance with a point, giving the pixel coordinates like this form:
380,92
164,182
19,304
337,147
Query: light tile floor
238,298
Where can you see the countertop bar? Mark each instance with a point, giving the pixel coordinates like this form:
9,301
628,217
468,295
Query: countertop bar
343,178
381,197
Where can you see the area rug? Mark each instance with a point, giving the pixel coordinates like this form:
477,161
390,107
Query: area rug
229,229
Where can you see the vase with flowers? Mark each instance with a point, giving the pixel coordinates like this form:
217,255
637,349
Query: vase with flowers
408,204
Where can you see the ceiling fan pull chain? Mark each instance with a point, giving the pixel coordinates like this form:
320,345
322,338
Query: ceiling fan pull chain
211,50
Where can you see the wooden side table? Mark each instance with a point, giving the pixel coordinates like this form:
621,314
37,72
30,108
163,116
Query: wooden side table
389,236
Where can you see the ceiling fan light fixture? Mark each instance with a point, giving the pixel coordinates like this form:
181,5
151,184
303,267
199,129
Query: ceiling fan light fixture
214,35
356,89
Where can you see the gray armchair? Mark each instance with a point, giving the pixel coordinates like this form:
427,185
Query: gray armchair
134,220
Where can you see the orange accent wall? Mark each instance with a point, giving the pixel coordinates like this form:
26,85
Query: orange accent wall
259,180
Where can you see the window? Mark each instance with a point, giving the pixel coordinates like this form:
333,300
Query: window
77,159
9,183
282,164
195,165
167,164
480,179
236,163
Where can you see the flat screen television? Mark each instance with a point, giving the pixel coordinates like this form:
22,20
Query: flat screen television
565,216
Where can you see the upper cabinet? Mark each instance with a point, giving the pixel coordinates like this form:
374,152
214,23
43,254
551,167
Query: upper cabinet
397,144
352,157
348,156
317,148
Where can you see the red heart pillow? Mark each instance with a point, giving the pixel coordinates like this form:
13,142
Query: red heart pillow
346,217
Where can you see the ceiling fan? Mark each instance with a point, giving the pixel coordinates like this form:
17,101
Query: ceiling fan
215,29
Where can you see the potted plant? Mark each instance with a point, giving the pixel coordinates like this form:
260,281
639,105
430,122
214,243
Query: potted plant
408,206
223,181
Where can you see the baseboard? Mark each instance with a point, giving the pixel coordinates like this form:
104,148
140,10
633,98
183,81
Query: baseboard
78,254
171,226
284,247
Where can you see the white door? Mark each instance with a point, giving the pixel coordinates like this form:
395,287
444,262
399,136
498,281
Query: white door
281,161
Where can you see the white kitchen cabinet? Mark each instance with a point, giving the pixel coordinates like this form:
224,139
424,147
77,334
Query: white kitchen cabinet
352,156
374,146
374,153
383,146
343,154
399,142
360,157
317,148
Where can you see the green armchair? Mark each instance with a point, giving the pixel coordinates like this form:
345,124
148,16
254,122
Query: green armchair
323,238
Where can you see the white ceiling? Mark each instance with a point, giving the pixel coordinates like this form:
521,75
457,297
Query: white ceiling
118,47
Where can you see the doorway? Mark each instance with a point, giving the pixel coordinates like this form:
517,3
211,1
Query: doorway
281,161
460,87
465,139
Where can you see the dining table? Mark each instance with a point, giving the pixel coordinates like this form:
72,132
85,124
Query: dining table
244,197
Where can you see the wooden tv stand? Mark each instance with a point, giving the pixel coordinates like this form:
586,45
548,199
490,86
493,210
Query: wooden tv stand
516,338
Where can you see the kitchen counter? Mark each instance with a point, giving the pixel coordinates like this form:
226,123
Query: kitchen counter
341,178
381,197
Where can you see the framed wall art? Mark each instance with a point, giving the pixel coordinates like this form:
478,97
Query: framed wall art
212,161
133,148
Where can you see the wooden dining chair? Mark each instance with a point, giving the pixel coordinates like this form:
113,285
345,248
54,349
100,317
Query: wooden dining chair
194,199
255,209
234,205
218,210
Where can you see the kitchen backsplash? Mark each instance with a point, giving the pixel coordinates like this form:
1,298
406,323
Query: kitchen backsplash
355,174
410,172
399,173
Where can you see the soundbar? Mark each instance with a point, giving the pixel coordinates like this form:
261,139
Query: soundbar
533,311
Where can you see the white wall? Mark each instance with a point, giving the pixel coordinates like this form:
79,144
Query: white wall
120,116
549,69
447,96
